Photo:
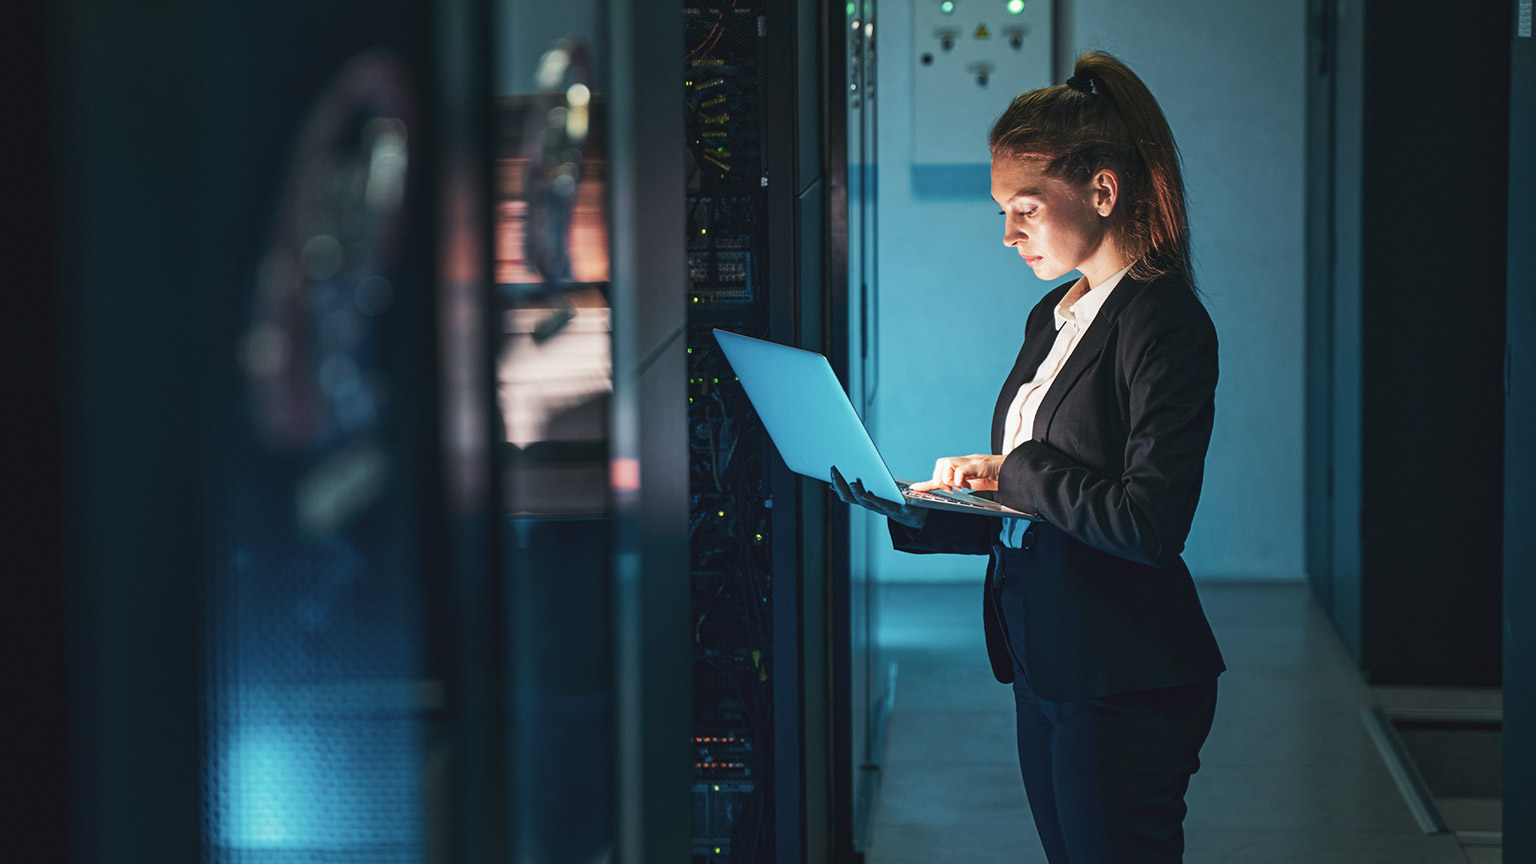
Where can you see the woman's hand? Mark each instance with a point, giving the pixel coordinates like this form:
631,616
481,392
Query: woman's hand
912,517
974,472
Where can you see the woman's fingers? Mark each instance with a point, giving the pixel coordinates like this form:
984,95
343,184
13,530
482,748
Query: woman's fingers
977,471
862,496
855,493
912,517
840,487
946,472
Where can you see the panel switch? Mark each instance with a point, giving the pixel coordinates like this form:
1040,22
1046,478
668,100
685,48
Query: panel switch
969,59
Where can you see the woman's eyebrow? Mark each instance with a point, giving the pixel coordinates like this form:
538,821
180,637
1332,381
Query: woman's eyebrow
1022,193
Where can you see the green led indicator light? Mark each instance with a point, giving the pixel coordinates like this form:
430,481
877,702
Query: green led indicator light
948,7
1015,7
850,10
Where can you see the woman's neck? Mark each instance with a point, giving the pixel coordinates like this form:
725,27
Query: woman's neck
1105,263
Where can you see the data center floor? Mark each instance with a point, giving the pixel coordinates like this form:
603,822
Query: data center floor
1289,774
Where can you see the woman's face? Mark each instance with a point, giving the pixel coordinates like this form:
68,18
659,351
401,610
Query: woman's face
1056,227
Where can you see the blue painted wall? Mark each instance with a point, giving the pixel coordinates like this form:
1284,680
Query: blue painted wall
953,299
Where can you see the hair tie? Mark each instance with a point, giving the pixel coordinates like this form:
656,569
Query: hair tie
1081,85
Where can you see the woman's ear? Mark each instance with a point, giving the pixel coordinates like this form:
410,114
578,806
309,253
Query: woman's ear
1104,192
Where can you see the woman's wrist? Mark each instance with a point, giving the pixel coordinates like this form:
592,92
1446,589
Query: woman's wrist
911,517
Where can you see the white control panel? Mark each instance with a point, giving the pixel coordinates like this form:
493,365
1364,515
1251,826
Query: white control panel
972,58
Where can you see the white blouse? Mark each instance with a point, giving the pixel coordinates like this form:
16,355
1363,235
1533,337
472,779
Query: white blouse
1074,314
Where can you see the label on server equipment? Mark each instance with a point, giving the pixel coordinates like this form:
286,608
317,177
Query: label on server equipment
1524,24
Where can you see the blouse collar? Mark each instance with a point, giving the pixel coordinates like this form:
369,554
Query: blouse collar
1085,307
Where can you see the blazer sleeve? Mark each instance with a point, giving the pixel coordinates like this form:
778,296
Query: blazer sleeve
946,531
1168,363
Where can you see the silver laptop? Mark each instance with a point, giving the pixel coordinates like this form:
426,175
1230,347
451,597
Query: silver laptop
813,424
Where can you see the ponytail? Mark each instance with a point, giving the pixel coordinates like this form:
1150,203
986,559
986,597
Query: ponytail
1104,117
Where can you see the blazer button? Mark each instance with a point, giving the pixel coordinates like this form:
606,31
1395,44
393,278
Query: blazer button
1028,542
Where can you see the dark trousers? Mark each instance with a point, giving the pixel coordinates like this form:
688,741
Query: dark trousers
1106,777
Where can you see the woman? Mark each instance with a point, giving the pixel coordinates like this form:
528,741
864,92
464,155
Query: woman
1101,430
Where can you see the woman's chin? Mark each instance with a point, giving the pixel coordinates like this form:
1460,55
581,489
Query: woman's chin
1047,273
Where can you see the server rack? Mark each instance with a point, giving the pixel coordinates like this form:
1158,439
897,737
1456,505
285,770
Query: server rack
759,537
735,668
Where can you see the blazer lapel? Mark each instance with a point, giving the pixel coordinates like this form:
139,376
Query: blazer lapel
1036,346
1084,355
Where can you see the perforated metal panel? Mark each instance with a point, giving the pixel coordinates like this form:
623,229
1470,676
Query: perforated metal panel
316,700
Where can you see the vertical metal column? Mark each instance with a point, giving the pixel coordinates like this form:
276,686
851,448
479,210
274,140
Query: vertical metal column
650,458
467,631
1321,26
1519,640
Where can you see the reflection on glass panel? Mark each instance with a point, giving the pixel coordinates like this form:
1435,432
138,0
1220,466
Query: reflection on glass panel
555,368
316,703
871,676
554,383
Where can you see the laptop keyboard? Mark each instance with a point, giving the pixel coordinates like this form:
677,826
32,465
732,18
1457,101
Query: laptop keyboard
948,499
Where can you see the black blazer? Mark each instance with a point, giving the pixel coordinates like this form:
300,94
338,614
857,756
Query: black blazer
1113,472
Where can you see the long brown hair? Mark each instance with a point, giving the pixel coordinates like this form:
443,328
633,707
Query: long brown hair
1115,125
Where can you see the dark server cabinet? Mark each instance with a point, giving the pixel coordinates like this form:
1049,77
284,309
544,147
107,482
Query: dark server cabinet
278,652
1408,106
256,557
759,537
288,616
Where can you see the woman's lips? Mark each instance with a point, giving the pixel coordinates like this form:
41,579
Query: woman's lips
1032,260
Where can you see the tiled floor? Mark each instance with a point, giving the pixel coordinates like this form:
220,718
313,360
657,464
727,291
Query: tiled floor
1289,773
